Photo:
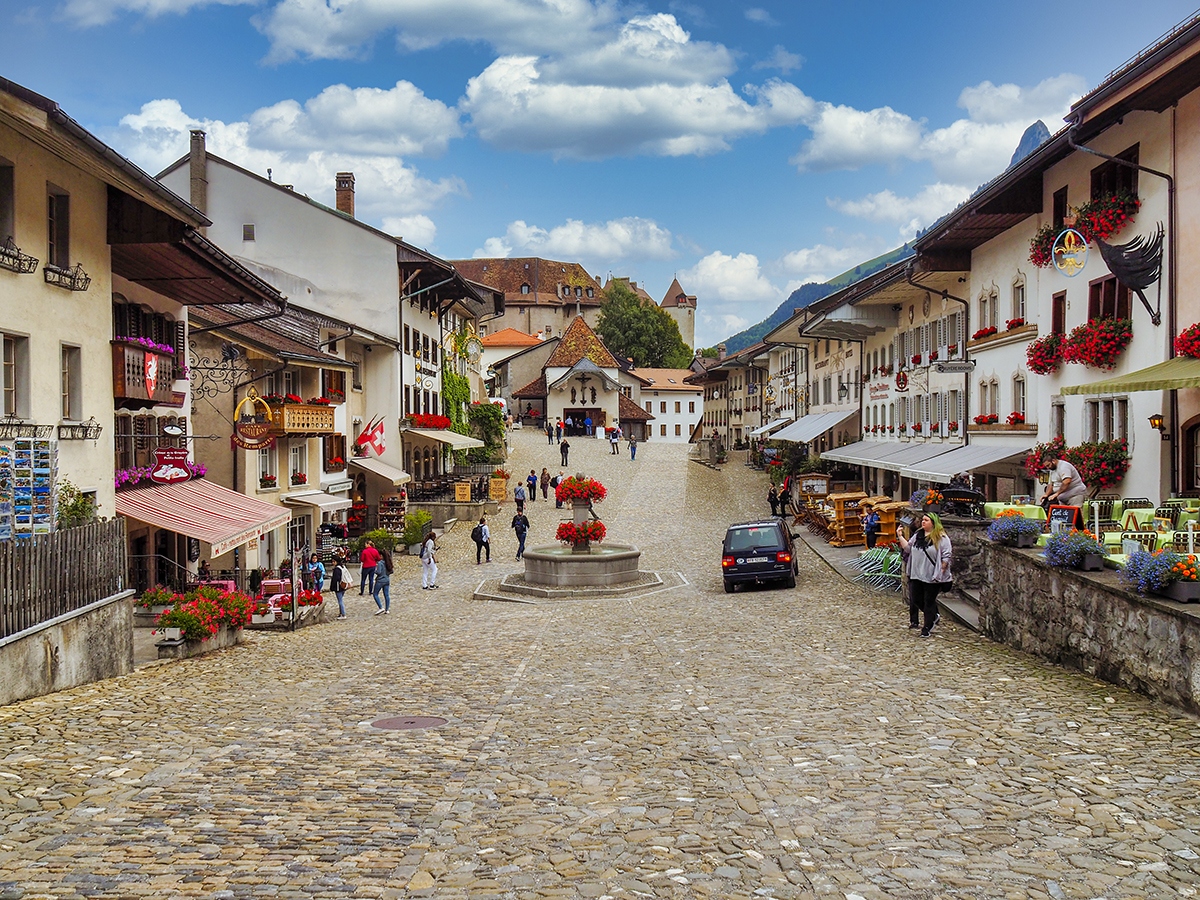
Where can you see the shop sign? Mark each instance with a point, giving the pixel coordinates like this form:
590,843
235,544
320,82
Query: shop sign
151,371
170,466
1070,252
880,390
252,423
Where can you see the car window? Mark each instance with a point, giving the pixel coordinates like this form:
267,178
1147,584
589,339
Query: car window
750,538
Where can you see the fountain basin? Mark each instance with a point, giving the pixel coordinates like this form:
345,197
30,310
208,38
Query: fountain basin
601,564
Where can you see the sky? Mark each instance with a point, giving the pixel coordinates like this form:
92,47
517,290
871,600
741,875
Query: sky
744,148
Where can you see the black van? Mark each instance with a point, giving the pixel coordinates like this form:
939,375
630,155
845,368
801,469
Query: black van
758,552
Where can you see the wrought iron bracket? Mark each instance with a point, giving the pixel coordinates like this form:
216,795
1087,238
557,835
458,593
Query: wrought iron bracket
72,279
14,260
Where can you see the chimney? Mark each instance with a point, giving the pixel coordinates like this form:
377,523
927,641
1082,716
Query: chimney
198,170
720,351
345,193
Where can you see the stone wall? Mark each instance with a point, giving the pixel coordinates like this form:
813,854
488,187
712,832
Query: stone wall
1086,621
80,647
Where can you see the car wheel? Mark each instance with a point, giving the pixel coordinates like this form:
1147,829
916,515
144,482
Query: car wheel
729,587
791,580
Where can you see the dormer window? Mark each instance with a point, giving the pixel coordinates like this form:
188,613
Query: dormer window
591,292
578,292
524,289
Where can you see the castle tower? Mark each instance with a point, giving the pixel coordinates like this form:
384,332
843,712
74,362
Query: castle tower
682,307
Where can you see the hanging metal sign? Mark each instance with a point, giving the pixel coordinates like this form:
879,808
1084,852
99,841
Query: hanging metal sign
1070,252
252,423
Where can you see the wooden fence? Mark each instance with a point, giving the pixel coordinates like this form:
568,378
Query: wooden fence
51,574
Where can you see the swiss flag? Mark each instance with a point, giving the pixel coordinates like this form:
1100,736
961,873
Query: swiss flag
372,438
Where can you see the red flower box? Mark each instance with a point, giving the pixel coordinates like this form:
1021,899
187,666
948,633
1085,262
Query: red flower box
984,332
1098,343
1044,355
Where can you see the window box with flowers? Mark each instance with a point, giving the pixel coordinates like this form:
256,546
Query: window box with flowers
335,395
1097,219
1016,418
273,399
891,429
952,349
1044,356
903,428
916,359
1013,323
917,426
429,420
984,332
319,401
266,482
1098,343
952,427
299,478
933,354
335,464
986,419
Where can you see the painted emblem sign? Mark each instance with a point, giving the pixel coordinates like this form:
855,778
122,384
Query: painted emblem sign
151,371
252,423
170,466
1070,252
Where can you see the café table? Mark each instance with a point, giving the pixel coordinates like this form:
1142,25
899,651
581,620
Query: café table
1028,510
1137,519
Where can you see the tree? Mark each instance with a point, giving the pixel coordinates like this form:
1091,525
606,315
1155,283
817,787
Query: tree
641,331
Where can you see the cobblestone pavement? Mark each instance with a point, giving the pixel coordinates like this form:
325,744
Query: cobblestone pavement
686,744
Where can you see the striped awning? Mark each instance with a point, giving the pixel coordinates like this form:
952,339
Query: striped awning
326,503
200,509
1172,375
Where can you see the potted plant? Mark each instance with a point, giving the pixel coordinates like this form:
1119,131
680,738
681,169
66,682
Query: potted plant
1016,418
1012,529
1075,549
1045,354
986,331
1165,572
157,600
1098,343
1014,323
267,481
1041,247
952,426
299,478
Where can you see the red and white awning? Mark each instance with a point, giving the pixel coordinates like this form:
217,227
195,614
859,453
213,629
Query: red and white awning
203,510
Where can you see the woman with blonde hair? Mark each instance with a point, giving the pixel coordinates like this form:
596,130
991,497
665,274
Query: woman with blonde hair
929,554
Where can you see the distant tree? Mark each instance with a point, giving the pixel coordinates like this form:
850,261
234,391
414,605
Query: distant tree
710,353
641,331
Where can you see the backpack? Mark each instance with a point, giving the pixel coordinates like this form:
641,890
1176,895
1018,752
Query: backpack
519,525
477,534
519,492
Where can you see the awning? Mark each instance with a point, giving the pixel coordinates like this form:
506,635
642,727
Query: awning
326,503
453,438
913,453
378,467
964,459
810,427
203,510
863,453
770,426
1180,372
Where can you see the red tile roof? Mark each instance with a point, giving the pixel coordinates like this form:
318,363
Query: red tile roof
580,342
666,379
628,411
535,390
509,337
542,276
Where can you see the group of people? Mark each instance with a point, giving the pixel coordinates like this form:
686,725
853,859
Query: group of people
527,490
481,534
376,574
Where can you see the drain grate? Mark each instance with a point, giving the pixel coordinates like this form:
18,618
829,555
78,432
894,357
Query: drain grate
408,723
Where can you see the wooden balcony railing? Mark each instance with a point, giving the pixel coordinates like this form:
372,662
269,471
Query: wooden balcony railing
301,419
141,378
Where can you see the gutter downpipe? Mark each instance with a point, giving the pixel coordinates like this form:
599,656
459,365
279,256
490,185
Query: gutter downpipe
1171,277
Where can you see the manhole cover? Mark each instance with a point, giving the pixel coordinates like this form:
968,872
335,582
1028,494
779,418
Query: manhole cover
408,723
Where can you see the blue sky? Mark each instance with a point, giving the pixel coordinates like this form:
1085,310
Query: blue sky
745,148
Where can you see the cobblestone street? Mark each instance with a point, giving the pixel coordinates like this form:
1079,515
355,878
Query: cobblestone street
684,744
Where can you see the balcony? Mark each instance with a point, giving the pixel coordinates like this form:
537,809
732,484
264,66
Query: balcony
301,420
141,378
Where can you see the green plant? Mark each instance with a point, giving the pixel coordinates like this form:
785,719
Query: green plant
414,526
383,540
1007,529
75,508
456,393
487,424
1067,549
157,596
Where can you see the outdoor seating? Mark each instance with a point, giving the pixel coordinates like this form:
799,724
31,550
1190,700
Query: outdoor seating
1148,539
1108,526
1138,503
1179,542
1104,507
1171,513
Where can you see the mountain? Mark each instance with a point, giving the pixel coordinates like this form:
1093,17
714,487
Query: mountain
1035,135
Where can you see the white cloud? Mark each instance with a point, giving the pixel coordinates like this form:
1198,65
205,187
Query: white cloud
910,213
345,29
88,13
848,138
157,135
780,59
735,279
628,238
822,262
1048,100
511,106
397,121
761,16
416,230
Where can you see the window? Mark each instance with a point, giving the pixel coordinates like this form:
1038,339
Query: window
334,447
1058,313
524,289
1018,300
355,359
266,462
407,335
58,238
291,382
7,202
70,385
333,380
248,232
1060,208
649,406
678,430
1019,395
662,406
298,458
1058,420
662,430
425,396
1108,299
591,292
1107,420
407,401
1113,178
298,533
436,346
678,407
16,376
436,402
425,347
123,426
692,406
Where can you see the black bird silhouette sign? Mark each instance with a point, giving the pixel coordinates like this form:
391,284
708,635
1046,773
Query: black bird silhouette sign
1137,265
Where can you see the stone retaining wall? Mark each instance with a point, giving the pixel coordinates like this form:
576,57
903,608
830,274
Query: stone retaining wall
1084,620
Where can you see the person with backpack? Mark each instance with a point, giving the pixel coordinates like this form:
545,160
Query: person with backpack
340,582
519,496
429,567
383,583
520,524
482,536
554,482
532,483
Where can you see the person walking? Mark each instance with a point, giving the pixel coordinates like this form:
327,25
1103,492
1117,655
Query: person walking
367,561
482,536
549,431
632,447
554,483
519,496
340,582
929,553
316,572
383,583
563,449
429,567
870,525
587,426
545,481
613,437
558,430
773,499
520,524
532,483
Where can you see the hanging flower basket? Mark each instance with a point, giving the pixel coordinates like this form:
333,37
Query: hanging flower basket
1041,248
1101,464
1098,343
1188,342
1100,219
1044,355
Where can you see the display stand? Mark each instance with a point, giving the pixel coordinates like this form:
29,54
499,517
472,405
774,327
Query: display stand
847,524
392,508
889,515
